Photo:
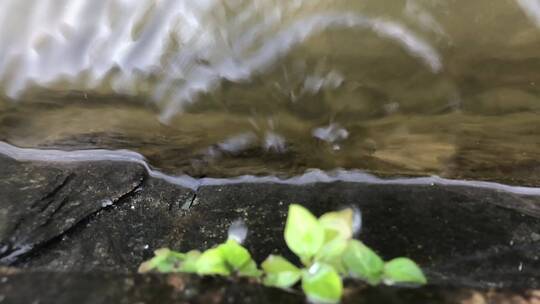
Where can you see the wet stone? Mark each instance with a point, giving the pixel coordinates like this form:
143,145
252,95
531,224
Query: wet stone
41,202
120,237
466,239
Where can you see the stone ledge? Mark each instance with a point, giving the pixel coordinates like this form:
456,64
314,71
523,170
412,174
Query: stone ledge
465,238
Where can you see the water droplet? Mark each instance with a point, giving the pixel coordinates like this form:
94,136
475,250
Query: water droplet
314,268
238,231
357,220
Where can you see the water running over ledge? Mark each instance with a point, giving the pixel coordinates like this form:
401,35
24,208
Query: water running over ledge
312,176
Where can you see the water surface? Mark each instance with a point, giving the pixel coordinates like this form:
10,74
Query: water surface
226,88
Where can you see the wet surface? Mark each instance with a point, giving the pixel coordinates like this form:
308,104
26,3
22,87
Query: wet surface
497,148
462,236
121,288
468,240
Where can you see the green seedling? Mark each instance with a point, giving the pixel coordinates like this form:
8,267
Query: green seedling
164,260
304,234
324,245
225,259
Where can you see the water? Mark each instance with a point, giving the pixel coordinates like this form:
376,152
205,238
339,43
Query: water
228,88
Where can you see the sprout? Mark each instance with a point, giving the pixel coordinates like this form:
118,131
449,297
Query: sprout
325,246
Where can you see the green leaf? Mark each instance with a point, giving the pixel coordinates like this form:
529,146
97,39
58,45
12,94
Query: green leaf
250,270
164,260
212,262
403,270
363,263
340,224
235,254
322,284
331,253
279,272
190,262
303,233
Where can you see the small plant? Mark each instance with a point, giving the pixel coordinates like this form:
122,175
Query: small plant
324,245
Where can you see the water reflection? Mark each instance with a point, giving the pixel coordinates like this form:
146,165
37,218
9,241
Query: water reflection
225,88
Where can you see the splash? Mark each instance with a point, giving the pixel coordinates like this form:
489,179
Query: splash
170,51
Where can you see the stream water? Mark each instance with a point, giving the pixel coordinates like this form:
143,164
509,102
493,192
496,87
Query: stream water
215,88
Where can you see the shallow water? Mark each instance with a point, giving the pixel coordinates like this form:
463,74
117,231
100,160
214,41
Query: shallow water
227,88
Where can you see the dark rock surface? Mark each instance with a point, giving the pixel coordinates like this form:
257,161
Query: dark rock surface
40,202
73,227
90,288
124,288
118,237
